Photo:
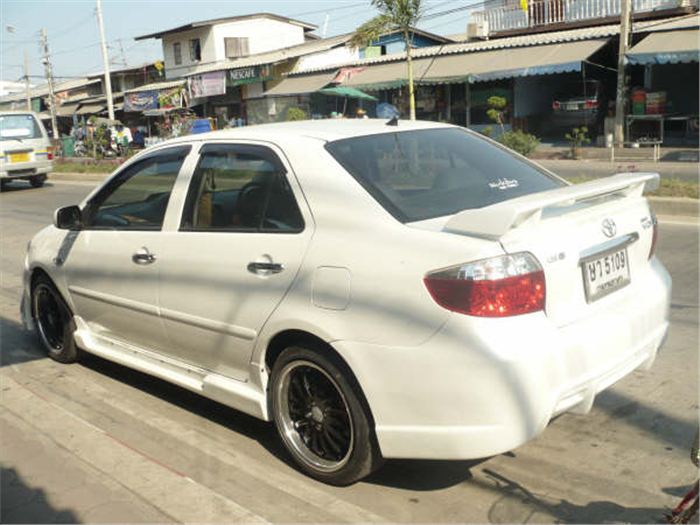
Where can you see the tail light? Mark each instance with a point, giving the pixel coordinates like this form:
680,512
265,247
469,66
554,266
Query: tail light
49,153
556,105
590,104
501,286
654,235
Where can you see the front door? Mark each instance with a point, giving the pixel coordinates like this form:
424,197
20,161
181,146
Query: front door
236,252
111,264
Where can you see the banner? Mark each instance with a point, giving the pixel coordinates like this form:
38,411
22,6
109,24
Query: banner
141,101
171,98
207,84
248,75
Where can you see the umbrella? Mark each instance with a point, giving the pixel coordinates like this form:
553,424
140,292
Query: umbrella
342,91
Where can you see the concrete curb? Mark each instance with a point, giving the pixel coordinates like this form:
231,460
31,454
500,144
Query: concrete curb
667,206
674,206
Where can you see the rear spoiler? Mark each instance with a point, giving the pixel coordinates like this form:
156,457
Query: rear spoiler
498,219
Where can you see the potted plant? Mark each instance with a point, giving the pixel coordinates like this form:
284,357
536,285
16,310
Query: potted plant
577,138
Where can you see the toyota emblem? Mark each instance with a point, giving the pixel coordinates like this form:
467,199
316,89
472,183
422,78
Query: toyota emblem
609,228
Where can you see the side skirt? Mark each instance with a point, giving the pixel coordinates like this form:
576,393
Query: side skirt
230,392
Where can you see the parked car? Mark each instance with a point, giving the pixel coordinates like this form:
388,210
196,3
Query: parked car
25,149
378,291
580,104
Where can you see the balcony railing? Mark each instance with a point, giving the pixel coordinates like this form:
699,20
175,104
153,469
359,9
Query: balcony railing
546,12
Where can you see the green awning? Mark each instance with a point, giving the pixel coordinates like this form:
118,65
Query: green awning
342,91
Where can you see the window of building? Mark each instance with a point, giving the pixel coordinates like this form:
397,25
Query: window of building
177,53
236,47
195,50
243,189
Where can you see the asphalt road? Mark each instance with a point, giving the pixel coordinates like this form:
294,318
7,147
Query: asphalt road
97,442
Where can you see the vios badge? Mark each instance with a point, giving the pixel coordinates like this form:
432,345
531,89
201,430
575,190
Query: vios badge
609,228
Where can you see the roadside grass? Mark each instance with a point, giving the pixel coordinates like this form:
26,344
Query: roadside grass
667,188
84,167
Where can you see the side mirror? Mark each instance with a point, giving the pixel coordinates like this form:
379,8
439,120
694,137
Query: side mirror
68,218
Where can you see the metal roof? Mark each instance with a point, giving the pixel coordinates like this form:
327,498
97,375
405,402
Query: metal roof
224,20
571,35
43,90
272,57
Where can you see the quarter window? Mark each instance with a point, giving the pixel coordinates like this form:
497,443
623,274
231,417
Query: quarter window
240,188
138,198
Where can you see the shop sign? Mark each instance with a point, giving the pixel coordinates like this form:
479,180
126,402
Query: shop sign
248,75
207,84
141,101
170,98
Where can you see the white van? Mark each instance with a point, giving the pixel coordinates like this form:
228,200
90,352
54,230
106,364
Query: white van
25,149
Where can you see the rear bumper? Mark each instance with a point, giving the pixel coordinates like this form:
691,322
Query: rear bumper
485,386
25,170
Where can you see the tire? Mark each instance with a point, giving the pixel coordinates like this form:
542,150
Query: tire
321,417
3,184
53,321
37,181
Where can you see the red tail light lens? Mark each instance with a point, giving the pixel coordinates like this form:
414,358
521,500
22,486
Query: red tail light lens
49,153
556,105
654,235
498,287
590,104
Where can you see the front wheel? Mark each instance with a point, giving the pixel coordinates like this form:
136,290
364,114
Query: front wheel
320,417
54,321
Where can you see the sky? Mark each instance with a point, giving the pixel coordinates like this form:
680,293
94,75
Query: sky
74,37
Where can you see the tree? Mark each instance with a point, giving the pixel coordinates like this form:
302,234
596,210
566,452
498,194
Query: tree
394,15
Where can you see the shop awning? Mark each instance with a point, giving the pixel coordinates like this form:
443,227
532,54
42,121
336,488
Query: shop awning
90,109
301,85
481,66
66,110
668,47
547,59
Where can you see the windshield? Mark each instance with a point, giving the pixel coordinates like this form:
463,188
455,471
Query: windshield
19,127
417,175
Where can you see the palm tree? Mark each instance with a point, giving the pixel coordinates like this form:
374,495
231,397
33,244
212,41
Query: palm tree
394,15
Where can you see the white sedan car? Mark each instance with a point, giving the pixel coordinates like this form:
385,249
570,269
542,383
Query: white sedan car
378,291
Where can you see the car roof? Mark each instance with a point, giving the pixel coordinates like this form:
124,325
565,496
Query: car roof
325,130
18,112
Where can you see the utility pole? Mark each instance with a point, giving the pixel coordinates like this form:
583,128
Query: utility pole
49,79
105,60
26,80
625,23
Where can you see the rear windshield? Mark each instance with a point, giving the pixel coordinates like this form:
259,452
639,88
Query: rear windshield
577,90
19,127
417,175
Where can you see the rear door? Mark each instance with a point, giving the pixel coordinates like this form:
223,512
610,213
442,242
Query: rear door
238,246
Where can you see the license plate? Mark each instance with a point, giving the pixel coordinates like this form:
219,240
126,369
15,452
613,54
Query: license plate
571,107
605,273
19,157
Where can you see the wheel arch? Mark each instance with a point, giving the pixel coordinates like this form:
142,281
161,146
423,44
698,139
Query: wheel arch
297,337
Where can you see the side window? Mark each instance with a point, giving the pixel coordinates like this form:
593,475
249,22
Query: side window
138,197
240,188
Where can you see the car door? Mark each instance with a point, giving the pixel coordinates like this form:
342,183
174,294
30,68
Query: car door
112,265
238,246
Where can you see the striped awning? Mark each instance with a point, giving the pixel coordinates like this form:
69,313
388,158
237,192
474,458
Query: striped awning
668,47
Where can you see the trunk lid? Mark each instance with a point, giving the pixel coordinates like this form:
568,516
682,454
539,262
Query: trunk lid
567,228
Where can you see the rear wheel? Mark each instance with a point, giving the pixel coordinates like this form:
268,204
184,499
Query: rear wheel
3,184
54,321
321,419
37,181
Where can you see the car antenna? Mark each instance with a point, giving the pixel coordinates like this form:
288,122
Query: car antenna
394,121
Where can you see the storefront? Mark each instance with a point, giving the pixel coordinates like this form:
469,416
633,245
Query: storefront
662,108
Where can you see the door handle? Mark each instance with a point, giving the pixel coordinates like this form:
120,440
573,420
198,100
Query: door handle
143,256
265,268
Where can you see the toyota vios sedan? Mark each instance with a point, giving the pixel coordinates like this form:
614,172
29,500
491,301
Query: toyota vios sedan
378,291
